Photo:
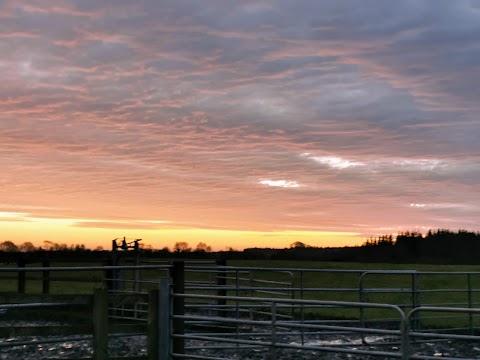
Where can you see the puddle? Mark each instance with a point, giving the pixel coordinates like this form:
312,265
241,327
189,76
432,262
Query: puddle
346,341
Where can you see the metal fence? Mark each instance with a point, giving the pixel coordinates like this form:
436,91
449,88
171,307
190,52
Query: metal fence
214,311
212,332
439,307
222,336
405,288
78,310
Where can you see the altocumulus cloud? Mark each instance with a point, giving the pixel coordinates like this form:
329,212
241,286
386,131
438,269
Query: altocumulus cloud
280,183
188,111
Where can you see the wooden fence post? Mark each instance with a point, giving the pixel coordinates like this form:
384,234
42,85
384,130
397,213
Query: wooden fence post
221,284
21,276
177,274
165,334
153,325
159,322
100,324
108,276
45,277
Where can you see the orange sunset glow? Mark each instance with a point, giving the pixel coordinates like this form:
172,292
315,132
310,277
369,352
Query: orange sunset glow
238,124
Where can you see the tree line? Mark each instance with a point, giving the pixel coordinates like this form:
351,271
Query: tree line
436,246
10,246
440,245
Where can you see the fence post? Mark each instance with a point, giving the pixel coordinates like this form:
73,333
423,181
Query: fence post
363,298
159,329
177,274
21,276
405,334
470,315
108,275
164,319
415,300
100,324
221,286
274,331
153,342
302,310
45,277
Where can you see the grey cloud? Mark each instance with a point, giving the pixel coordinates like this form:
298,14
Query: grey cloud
171,64
40,25
205,99
296,63
101,52
93,6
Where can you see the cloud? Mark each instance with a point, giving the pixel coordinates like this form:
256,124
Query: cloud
126,111
143,225
334,161
379,164
7,216
280,183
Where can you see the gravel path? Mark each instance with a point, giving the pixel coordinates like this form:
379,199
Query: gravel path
137,345
134,346
441,349
126,346
131,346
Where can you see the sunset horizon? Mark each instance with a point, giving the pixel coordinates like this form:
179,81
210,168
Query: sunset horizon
237,124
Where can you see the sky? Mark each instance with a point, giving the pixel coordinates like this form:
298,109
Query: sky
237,123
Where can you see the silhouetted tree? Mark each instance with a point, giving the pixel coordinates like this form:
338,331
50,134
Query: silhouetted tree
202,247
48,245
8,246
27,247
298,245
181,246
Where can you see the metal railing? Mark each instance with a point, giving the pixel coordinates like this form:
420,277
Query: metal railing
460,289
269,334
370,310
71,314
228,333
